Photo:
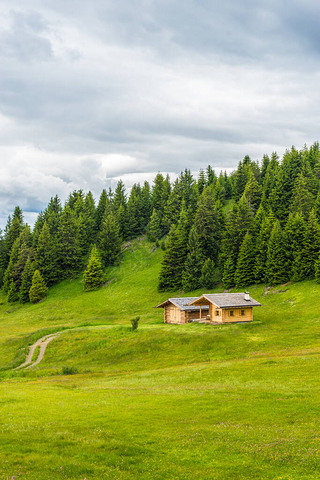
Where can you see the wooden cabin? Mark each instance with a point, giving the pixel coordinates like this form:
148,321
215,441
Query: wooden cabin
179,310
227,307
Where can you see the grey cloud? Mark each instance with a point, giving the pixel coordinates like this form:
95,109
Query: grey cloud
23,40
101,89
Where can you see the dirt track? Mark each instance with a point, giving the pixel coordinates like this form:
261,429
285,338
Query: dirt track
43,342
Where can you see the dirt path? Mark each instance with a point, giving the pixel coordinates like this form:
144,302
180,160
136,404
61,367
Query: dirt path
43,342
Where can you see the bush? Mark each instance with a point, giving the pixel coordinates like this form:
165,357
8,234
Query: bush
69,370
134,323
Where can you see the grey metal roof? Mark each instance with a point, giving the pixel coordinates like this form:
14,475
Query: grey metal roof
224,300
183,303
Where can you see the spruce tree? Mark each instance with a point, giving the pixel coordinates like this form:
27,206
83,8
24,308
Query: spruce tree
38,289
93,274
229,272
68,249
172,266
209,274
191,275
109,240
244,274
45,256
294,237
13,295
277,268
26,281
311,247
154,229
317,270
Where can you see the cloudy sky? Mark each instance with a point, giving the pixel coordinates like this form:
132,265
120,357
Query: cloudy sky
91,91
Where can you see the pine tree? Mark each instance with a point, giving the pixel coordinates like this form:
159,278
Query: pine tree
38,289
311,247
191,275
93,274
174,258
154,230
110,240
317,270
13,295
252,192
229,273
103,204
209,274
262,247
45,256
295,230
277,269
68,251
302,199
26,281
244,274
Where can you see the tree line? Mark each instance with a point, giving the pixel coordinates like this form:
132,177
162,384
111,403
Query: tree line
258,224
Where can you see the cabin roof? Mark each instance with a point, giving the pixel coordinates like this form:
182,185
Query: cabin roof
183,303
226,300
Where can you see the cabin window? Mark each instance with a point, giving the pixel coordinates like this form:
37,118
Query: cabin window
242,313
231,313
217,313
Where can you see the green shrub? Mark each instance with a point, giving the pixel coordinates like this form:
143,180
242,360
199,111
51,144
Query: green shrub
135,322
69,370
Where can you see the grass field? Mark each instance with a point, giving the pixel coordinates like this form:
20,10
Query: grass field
166,401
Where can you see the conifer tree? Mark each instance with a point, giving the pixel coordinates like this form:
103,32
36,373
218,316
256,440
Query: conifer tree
110,240
101,209
26,281
13,295
229,273
211,176
302,199
260,267
68,251
244,274
154,229
209,274
277,269
45,256
191,275
252,192
317,270
311,247
174,258
295,230
38,289
93,274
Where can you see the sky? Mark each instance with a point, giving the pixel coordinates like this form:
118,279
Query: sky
94,91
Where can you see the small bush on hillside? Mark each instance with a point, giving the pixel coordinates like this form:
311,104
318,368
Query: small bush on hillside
134,323
38,288
69,370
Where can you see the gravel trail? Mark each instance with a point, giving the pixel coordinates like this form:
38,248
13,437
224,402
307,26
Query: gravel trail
43,342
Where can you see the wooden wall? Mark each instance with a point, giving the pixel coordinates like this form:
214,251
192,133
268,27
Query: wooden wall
173,314
237,315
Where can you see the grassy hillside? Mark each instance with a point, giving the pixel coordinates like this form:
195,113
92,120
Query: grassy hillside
164,402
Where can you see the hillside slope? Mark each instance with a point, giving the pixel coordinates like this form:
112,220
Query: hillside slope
164,402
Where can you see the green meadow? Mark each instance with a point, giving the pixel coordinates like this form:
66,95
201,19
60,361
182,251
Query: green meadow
166,401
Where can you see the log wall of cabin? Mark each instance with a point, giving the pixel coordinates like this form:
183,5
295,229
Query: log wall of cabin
173,314
216,313
237,315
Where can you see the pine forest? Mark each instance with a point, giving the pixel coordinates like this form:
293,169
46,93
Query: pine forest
258,224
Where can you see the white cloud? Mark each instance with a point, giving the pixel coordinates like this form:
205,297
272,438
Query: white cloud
94,91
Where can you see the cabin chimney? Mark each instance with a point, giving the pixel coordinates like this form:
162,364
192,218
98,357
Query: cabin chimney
246,296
